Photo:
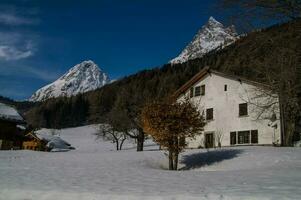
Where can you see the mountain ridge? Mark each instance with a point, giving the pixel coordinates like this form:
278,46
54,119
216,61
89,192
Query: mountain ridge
211,36
83,77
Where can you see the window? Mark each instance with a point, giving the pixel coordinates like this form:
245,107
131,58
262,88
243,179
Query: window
197,91
225,87
191,92
202,90
243,109
209,114
243,137
254,136
232,138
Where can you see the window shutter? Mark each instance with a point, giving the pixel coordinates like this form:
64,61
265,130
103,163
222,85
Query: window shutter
254,136
232,138
202,90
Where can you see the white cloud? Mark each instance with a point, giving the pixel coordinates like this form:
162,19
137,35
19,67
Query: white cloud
13,19
12,53
15,46
15,43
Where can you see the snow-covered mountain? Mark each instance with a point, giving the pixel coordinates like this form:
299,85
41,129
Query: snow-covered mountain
81,78
211,36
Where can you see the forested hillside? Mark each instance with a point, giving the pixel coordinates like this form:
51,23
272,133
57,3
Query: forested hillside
261,48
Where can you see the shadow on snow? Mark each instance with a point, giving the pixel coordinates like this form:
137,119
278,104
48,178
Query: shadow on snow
198,160
146,147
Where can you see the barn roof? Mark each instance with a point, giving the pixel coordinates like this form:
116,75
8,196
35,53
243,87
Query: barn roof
9,113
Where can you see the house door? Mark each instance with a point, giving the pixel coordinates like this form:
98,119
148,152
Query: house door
209,140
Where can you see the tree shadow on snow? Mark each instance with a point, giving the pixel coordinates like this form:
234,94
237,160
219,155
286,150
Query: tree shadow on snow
146,147
198,160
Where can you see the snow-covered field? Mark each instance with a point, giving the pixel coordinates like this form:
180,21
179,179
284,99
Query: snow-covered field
96,171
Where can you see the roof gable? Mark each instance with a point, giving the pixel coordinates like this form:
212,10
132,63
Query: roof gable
203,74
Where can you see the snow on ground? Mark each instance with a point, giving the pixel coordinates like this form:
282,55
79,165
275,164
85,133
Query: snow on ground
96,171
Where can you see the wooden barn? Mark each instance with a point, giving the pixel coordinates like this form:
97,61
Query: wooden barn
12,127
33,142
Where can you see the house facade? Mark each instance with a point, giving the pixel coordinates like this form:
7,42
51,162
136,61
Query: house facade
33,142
233,109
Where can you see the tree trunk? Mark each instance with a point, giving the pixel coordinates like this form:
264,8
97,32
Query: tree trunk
170,160
290,128
175,160
117,145
282,121
140,141
122,141
139,138
176,153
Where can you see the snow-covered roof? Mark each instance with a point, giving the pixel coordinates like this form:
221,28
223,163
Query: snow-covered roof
9,113
54,142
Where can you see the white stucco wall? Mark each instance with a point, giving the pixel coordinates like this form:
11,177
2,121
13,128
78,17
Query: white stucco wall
225,106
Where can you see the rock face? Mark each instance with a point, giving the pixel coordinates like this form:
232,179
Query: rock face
81,78
211,36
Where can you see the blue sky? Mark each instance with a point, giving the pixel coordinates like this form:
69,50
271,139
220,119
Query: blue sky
41,40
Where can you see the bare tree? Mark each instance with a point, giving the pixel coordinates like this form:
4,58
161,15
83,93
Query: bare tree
219,137
248,13
131,117
278,98
116,128
107,132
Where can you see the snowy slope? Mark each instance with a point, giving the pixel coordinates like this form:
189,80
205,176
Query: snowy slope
8,112
211,36
81,78
94,170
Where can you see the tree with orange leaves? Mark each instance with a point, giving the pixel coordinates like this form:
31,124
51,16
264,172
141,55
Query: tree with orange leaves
169,123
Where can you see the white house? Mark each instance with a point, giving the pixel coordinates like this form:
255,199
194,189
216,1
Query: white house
232,107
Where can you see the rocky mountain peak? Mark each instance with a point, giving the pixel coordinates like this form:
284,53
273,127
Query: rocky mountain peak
81,78
210,37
